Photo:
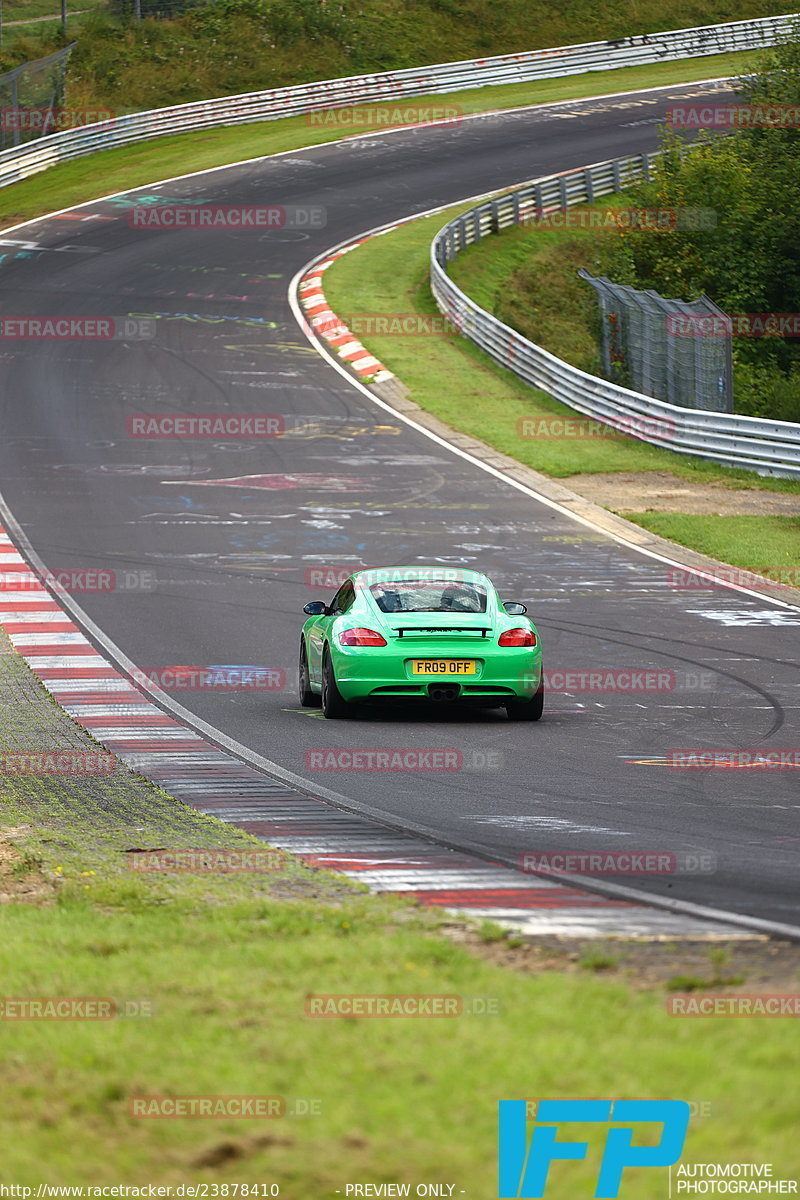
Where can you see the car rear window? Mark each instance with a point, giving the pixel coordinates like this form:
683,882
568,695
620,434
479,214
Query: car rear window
429,595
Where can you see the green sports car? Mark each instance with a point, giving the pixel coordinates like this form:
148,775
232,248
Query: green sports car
420,633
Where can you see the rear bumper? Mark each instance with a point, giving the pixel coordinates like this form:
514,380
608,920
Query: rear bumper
366,673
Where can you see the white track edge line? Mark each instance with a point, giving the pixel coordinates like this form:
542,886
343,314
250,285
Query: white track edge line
322,349
243,162
267,766
251,757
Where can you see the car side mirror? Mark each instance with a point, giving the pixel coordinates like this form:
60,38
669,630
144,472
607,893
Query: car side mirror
316,608
514,608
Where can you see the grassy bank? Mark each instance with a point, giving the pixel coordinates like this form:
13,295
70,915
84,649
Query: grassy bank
134,166
245,45
214,971
455,381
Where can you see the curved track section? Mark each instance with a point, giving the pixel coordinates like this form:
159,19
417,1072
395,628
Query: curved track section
216,543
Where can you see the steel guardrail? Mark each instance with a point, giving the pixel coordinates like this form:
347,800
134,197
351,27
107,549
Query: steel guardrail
756,443
23,161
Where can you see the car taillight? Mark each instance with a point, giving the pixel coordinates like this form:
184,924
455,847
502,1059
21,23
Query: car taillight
517,637
361,637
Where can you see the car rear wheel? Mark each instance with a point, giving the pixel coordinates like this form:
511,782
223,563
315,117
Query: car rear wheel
334,706
308,699
527,710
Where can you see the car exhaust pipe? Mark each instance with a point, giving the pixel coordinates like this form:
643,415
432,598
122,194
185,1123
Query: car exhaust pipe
441,693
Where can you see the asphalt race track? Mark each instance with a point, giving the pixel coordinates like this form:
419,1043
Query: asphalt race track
212,570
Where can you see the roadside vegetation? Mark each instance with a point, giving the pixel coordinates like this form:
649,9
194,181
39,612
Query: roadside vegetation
199,50
211,974
746,263
455,381
166,157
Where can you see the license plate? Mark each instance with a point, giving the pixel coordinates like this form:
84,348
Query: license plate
443,666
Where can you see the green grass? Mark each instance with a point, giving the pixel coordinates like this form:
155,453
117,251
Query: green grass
23,35
244,46
450,378
134,166
516,275
403,1099
759,543
224,965
28,10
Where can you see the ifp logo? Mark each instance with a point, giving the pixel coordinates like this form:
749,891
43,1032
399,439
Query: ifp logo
524,1167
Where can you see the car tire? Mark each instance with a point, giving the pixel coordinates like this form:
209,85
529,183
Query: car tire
308,699
334,706
527,710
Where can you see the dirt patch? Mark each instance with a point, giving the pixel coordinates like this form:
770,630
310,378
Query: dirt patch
757,965
20,874
659,491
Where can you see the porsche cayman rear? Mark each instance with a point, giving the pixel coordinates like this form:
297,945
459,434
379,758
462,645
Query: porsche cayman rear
421,634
